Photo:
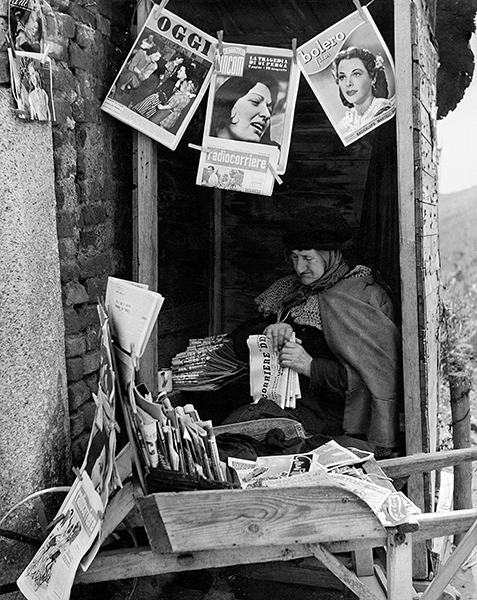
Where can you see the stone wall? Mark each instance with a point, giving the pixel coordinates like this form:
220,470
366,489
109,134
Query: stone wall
91,153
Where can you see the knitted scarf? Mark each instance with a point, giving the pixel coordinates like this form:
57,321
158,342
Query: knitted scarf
289,297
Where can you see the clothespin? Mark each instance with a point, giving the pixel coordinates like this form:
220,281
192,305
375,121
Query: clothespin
362,13
294,49
45,54
78,473
219,50
278,179
199,148
10,44
220,42
161,4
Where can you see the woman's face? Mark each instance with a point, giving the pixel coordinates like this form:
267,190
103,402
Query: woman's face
354,81
309,265
181,73
250,115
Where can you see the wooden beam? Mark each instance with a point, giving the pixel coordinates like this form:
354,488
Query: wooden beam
414,424
424,462
145,226
142,562
346,576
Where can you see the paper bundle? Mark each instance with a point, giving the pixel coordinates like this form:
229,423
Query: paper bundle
267,378
206,362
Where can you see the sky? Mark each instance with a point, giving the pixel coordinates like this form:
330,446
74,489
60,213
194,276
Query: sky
457,140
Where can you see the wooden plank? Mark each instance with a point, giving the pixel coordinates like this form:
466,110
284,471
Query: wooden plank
423,462
138,562
120,505
399,567
345,575
142,562
145,224
217,302
407,233
363,564
255,517
451,566
405,31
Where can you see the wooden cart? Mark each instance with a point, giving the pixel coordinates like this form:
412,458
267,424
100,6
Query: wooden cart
220,528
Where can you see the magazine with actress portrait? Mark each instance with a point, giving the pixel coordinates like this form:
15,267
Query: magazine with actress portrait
252,98
351,72
163,78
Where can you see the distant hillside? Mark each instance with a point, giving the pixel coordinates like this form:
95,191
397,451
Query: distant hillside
458,231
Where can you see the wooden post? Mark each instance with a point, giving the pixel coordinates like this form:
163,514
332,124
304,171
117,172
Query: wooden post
145,228
460,387
216,309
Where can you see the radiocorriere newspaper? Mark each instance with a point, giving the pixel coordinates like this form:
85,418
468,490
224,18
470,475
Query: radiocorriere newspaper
250,110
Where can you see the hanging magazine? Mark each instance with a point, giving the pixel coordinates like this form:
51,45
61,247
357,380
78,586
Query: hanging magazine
249,118
163,79
31,82
26,24
351,72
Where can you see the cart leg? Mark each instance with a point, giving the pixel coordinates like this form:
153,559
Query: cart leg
345,575
399,566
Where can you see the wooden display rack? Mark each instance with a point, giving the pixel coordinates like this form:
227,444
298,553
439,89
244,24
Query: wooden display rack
220,528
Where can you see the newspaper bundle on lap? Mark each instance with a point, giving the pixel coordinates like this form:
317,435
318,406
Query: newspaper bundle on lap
267,378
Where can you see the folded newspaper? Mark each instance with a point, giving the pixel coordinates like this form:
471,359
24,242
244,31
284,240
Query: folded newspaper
267,378
327,465
206,363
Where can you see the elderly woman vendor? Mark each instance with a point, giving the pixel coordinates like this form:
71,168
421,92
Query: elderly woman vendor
347,349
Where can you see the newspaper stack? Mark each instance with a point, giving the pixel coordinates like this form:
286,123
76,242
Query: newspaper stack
174,438
206,363
133,310
267,378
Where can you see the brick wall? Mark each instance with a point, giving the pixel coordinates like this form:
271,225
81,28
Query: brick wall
92,152
88,41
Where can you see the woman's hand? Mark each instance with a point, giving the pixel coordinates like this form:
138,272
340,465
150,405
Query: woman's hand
278,335
295,357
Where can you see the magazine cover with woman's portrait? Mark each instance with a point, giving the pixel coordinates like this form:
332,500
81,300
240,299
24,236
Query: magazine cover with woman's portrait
252,100
351,72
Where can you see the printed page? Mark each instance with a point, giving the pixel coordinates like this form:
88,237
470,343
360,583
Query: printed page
334,83
133,311
51,573
163,79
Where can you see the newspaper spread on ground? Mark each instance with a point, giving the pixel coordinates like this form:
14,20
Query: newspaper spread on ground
356,89
50,574
32,85
267,378
333,466
164,77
